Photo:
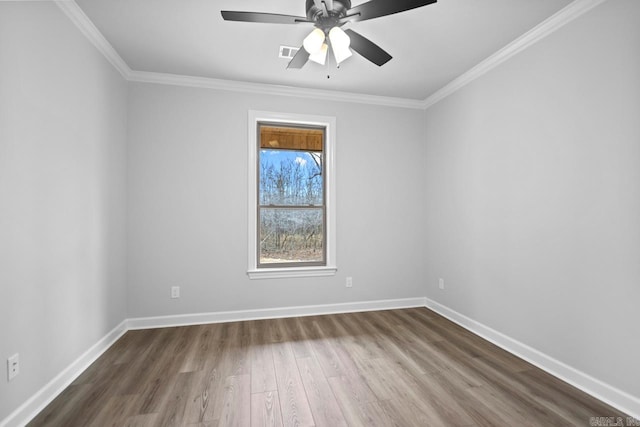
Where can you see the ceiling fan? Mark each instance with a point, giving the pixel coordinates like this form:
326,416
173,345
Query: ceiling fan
328,17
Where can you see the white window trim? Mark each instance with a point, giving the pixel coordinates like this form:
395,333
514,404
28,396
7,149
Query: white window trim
329,123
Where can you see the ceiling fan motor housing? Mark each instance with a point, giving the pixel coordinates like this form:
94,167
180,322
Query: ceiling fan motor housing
316,14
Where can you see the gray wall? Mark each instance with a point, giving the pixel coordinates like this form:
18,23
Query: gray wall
522,190
187,203
62,196
533,196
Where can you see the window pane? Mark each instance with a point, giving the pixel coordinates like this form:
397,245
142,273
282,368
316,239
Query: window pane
291,235
289,178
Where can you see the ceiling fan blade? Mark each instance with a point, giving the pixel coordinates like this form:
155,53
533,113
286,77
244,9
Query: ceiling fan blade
368,49
329,4
377,8
267,18
299,59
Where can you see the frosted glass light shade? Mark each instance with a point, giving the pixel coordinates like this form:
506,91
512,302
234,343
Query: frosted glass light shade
340,42
341,54
313,42
320,56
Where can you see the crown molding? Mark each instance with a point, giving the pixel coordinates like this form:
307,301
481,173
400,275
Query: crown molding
542,30
91,32
547,27
268,89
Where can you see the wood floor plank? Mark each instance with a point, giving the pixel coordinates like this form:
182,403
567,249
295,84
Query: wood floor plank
200,396
324,406
377,415
351,363
207,337
407,319
540,409
62,409
173,408
156,391
141,342
265,410
472,344
233,360
229,357
236,409
565,399
351,342
406,413
481,414
420,351
146,420
263,374
407,367
205,402
382,380
442,402
208,381
114,412
293,399
392,344
321,344
99,369
501,406
86,407
145,364
353,390
296,332
153,385
236,354
457,364
356,326
391,383
355,398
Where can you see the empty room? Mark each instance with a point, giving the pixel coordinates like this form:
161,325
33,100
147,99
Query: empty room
320,213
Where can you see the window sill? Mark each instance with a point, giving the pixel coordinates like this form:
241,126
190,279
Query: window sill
281,273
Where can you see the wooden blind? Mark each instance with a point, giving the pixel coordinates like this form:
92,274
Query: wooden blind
291,138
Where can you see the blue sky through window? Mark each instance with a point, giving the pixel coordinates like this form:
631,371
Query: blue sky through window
290,177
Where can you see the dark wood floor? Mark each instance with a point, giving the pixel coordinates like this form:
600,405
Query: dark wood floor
388,368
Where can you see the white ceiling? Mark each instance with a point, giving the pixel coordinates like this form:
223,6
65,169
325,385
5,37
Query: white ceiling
430,46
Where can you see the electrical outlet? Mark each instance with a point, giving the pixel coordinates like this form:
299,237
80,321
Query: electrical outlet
441,283
175,292
13,366
349,282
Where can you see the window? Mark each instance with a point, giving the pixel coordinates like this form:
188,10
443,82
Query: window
291,195
291,230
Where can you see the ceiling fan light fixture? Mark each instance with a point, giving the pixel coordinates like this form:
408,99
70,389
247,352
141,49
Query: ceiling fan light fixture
314,41
341,54
340,43
320,57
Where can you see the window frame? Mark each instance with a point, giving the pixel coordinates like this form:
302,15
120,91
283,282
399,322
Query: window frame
254,271
322,207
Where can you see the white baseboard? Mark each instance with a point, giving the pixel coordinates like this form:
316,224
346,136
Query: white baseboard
28,410
271,313
32,407
600,390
